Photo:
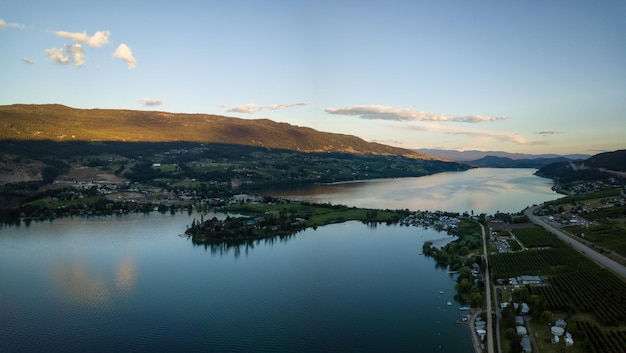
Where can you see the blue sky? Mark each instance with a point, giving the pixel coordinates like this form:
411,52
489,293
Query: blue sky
517,76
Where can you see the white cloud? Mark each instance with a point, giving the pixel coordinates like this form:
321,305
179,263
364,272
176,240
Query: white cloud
58,55
79,54
252,108
4,24
381,112
282,106
151,102
389,142
123,52
28,61
548,133
503,136
97,40
68,54
245,108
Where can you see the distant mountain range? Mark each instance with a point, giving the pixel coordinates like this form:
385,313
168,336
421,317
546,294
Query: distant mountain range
474,155
60,123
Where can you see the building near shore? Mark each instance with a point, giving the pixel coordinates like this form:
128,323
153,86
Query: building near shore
525,343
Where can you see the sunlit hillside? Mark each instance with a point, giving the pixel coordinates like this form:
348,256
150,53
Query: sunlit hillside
61,123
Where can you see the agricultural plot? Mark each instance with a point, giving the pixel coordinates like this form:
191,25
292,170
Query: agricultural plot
607,216
610,234
598,340
508,265
546,262
596,291
536,237
576,286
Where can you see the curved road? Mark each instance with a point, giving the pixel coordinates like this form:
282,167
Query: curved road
487,296
591,253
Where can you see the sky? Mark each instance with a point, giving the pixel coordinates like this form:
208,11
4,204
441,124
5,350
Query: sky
517,76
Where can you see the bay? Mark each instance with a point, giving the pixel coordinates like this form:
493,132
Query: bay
131,283
482,190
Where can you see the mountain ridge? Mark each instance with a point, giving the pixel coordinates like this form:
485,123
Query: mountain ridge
57,122
601,166
473,155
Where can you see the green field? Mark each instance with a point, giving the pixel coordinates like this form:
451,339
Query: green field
536,237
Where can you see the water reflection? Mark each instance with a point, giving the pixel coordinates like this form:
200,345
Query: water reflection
238,246
125,275
345,287
483,190
76,282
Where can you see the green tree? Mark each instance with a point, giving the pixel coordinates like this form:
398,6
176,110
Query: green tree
521,295
546,317
476,299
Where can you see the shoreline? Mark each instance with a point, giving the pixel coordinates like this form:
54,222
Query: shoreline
476,343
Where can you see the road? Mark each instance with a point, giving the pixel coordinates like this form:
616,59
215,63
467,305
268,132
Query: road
591,253
490,333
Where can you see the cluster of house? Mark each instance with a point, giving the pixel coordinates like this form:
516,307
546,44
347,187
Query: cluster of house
558,332
573,217
522,280
437,219
502,242
523,332
596,185
479,326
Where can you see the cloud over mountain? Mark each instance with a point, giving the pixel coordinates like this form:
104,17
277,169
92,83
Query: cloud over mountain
97,40
282,106
123,52
251,108
151,102
244,108
548,133
381,112
478,135
68,54
75,54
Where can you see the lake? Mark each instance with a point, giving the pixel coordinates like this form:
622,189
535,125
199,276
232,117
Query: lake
482,190
131,283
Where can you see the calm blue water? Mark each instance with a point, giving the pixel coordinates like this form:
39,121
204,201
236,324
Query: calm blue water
482,190
132,284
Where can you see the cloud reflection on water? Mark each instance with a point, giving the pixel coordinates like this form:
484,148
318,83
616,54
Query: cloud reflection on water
75,281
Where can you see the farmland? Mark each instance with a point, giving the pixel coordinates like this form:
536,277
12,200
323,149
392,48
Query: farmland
598,218
592,299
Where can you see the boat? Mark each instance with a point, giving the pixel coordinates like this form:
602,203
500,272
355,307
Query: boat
464,308
441,292
449,303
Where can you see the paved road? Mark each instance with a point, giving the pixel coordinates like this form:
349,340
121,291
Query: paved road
488,296
591,253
